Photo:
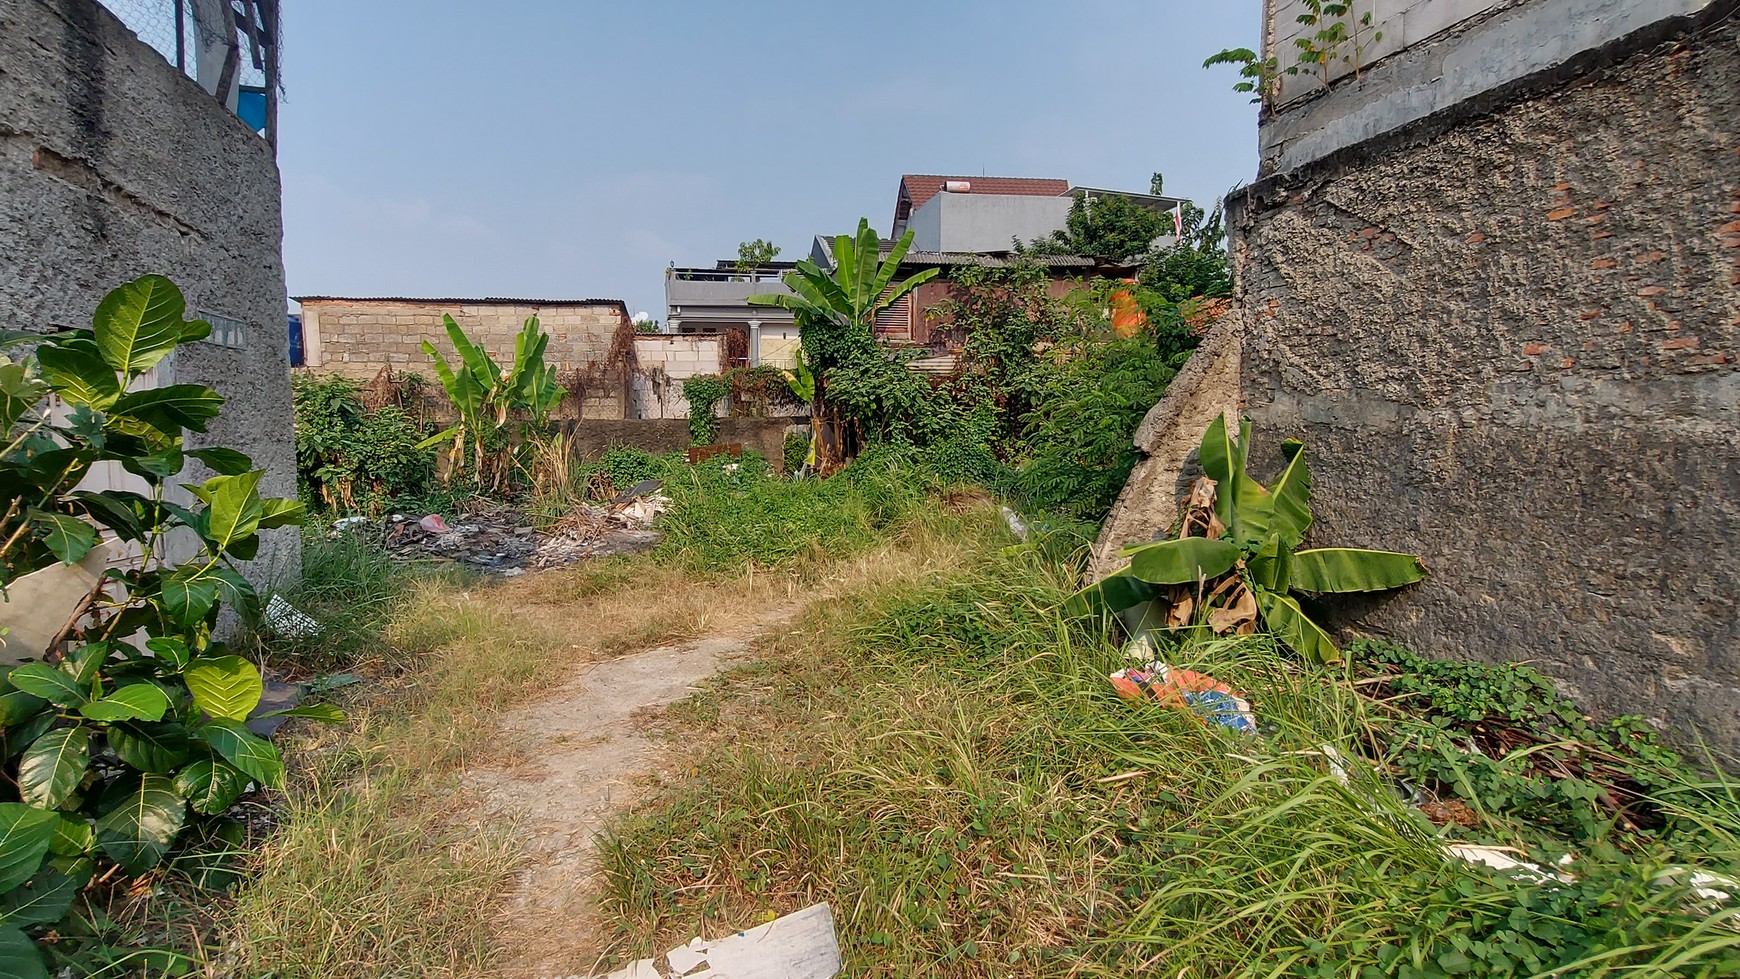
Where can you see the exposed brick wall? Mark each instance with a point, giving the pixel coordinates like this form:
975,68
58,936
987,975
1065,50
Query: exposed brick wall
357,338
1509,342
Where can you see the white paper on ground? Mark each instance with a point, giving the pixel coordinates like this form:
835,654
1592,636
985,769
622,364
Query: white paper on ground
800,945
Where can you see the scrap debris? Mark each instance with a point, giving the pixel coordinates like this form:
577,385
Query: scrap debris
801,945
504,540
1209,699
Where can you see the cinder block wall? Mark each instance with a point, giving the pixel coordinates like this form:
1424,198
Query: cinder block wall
356,338
1510,338
113,165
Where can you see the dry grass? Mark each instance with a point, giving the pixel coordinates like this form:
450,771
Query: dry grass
380,869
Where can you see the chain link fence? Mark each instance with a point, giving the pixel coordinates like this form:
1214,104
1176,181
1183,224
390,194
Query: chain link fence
174,30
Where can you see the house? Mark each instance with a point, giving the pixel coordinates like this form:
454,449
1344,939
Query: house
995,214
592,342
703,301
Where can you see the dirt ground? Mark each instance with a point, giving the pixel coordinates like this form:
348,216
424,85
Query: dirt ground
587,756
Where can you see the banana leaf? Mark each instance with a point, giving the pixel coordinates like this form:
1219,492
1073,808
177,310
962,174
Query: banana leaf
1352,569
1111,594
1283,617
1183,561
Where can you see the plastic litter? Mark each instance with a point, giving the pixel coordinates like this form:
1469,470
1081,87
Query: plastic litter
433,524
288,621
801,945
346,523
1017,526
1209,699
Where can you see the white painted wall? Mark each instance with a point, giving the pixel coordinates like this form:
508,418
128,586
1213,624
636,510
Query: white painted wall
985,222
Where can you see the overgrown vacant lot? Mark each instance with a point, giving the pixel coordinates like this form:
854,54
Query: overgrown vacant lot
924,741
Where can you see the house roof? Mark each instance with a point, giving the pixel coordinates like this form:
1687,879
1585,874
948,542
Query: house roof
992,261
917,188
451,301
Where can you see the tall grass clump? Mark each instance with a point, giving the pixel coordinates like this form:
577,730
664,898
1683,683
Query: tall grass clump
946,764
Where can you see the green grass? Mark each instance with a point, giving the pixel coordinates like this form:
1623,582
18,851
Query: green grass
946,764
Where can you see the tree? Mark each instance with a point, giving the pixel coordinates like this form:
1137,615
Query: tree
1113,227
1196,265
752,255
836,317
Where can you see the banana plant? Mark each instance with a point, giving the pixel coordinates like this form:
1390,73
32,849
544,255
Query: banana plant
836,314
1235,564
489,402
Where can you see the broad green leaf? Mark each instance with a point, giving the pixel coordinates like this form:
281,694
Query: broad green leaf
1292,495
141,825
211,787
53,766
46,897
224,462
279,512
84,663
1111,594
67,536
23,734
156,465
1283,617
17,705
76,371
189,594
42,680
19,392
150,747
234,590
227,687
1218,455
1186,560
25,834
19,958
121,512
1272,566
235,507
1352,569
72,836
136,702
139,323
171,651
324,713
254,756
171,408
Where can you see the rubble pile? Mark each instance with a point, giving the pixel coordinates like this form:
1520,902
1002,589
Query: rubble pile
501,539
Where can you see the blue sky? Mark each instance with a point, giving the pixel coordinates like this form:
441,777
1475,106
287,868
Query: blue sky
574,148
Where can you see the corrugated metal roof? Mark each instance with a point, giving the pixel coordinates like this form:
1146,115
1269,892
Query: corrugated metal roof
453,301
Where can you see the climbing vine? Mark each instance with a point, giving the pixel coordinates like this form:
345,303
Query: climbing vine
704,392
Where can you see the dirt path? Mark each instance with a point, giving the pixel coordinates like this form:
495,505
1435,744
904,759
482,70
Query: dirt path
588,757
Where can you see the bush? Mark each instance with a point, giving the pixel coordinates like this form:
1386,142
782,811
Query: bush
349,459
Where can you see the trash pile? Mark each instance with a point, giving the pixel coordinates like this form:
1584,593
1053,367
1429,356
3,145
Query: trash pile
503,540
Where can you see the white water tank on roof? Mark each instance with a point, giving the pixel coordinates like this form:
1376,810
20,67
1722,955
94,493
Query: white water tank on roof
957,186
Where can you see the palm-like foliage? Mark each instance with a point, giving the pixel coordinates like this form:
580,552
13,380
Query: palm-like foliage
489,400
836,312
1236,564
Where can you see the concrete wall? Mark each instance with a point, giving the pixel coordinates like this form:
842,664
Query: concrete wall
113,165
589,345
985,222
666,360
1436,54
1509,336
762,435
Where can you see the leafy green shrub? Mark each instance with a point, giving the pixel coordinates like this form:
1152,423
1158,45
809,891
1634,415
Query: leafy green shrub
1081,432
115,753
496,407
626,465
797,451
350,459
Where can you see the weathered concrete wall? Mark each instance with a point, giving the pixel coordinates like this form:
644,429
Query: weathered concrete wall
1434,54
666,360
113,165
591,343
1508,336
763,435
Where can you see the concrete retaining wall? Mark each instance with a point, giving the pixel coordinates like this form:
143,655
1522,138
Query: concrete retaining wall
1509,336
763,435
112,165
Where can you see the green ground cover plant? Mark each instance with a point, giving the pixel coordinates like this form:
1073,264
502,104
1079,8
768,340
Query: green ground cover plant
350,459
946,764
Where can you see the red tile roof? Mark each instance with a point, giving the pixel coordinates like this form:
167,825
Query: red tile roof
920,187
